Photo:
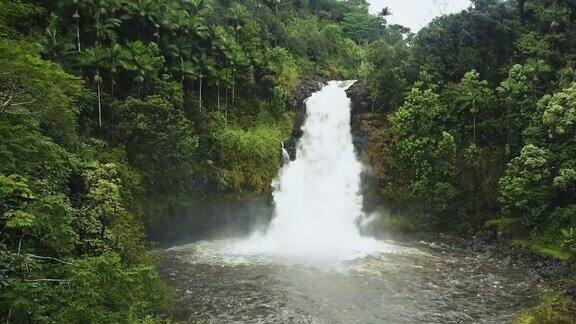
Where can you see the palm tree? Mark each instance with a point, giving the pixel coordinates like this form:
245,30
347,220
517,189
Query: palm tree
207,67
184,64
144,11
237,14
225,78
105,28
233,54
238,59
474,94
470,100
216,74
53,45
189,71
192,19
169,20
113,63
224,42
197,26
77,6
142,60
272,3
197,7
94,59
76,17
507,89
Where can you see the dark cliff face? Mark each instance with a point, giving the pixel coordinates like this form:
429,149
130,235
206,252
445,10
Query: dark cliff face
357,93
359,96
361,139
359,100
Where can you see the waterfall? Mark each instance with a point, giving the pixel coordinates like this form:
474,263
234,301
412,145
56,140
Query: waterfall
285,156
317,196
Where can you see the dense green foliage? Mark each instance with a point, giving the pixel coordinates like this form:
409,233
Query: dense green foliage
554,308
118,115
478,121
71,247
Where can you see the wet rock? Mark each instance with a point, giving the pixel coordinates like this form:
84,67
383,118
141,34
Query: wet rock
507,261
359,97
306,88
476,244
554,272
571,291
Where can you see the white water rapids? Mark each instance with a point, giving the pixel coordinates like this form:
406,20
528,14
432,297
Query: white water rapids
317,197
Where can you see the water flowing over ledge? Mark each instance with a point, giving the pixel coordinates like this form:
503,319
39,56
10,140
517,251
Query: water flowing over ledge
317,197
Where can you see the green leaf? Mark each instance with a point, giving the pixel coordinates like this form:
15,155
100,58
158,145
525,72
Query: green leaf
19,219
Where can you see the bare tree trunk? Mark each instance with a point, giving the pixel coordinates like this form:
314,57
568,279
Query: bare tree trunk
218,85
200,94
187,99
233,90
78,36
99,105
226,102
521,8
474,128
112,82
9,315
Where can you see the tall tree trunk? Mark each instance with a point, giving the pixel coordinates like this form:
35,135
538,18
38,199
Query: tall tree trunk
200,93
521,9
474,129
99,105
112,82
112,111
78,36
187,99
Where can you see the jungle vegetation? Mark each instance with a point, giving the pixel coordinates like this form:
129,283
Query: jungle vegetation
117,115
475,123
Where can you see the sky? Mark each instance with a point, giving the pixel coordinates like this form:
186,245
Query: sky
416,14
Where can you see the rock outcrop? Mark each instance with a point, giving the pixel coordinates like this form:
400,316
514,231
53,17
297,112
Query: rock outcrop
359,96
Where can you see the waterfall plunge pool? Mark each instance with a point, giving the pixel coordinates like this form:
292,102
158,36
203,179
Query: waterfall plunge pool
411,283
311,265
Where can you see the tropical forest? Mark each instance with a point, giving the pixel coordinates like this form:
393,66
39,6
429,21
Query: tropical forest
287,161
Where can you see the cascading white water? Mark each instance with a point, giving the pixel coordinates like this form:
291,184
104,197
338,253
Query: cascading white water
285,156
317,197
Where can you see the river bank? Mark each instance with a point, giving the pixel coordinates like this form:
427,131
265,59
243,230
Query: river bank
559,276
482,278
